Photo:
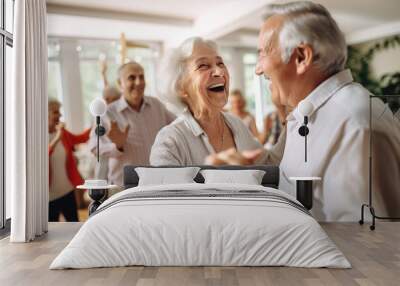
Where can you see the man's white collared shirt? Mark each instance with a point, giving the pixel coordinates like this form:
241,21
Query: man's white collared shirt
144,126
338,149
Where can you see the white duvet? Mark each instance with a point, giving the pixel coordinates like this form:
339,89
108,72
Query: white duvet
183,231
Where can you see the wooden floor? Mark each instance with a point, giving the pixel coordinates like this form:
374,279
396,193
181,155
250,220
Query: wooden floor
375,256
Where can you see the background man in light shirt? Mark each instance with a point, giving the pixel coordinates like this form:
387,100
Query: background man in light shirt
132,123
303,53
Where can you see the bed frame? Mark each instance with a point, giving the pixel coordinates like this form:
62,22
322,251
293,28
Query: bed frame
131,179
304,188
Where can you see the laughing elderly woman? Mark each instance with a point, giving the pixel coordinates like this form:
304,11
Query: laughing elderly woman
197,81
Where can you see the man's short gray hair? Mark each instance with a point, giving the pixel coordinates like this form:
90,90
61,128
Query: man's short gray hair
310,23
130,63
174,67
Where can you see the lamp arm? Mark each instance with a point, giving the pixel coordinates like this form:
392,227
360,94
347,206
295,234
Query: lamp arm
98,137
100,131
305,138
305,148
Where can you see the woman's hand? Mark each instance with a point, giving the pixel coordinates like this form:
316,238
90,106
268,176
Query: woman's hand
233,157
59,128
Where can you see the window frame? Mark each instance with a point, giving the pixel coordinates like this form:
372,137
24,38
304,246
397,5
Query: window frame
6,39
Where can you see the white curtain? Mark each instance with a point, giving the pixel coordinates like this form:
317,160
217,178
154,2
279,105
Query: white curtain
27,155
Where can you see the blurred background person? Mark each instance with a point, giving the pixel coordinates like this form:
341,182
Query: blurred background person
272,130
132,123
63,172
274,122
238,107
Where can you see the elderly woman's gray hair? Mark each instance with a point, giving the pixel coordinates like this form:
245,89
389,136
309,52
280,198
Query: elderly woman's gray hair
174,67
53,101
310,23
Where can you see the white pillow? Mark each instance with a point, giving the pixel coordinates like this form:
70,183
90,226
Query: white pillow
248,177
164,176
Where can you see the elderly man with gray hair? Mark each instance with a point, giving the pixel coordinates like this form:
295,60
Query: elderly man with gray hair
303,53
132,123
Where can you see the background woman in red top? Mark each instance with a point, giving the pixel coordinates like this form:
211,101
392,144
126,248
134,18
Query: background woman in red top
63,172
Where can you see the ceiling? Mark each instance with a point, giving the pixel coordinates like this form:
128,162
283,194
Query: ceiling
230,22
189,9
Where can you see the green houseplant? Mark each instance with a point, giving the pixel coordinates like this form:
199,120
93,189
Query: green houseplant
359,62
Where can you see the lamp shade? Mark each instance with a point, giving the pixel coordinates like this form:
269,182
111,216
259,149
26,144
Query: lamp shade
98,107
305,108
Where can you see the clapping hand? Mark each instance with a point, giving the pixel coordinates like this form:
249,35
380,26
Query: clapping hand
118,136
59,127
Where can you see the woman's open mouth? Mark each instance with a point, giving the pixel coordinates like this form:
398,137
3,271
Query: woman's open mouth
219,87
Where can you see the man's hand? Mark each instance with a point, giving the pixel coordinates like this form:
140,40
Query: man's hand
233,157
117,136
103,66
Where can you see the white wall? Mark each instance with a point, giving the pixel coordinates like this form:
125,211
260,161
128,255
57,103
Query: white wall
99,28
71,86
386,61
233,59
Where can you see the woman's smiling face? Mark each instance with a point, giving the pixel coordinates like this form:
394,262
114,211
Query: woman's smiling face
205,84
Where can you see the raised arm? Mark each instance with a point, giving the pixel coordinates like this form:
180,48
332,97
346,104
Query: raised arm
103,66
78,138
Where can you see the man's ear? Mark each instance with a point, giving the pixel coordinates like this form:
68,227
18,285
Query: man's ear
119,84
304,55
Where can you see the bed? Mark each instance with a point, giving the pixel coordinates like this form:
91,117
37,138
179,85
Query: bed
201,224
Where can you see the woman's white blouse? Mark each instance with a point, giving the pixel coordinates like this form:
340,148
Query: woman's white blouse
184,142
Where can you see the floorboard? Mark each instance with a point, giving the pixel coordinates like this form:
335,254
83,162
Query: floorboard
374,255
